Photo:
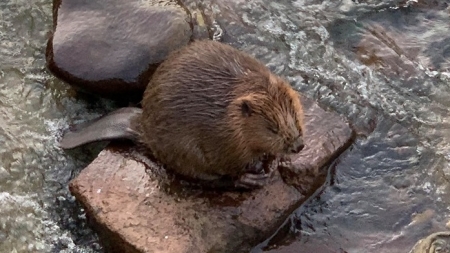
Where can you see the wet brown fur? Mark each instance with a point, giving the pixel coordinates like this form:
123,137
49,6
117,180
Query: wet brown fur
210,110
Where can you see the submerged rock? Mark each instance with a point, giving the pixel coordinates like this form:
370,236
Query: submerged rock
438,242
376,40
137,209
111,47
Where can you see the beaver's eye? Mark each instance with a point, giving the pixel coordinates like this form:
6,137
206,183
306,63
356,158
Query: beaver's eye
273,130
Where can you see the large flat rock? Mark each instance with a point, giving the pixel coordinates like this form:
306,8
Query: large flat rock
111,47
135,208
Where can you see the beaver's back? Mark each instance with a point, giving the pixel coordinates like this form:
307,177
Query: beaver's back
203,77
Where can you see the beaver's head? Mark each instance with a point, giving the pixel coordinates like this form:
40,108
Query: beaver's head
270,119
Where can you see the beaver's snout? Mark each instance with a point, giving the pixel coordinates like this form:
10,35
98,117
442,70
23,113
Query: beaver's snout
297,146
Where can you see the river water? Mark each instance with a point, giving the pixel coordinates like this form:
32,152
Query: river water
382,64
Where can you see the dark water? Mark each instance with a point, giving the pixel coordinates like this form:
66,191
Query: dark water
382,64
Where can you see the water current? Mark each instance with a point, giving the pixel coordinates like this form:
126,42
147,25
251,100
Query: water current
384,65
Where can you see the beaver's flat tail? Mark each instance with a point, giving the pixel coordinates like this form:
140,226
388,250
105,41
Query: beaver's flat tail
119,124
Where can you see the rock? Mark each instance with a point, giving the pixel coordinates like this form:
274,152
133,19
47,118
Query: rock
201,25
139,209
111,47
438,242
326,136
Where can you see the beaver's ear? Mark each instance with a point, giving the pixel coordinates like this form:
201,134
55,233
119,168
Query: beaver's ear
245,106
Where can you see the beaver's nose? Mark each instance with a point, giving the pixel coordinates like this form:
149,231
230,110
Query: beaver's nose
298,145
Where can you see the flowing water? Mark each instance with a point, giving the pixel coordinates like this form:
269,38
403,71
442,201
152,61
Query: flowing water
37,212
382,64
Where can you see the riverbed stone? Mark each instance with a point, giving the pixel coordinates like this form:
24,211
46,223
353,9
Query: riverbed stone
438,242
136,207
111,47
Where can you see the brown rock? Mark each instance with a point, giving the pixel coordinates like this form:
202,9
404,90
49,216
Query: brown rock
111,47
135,209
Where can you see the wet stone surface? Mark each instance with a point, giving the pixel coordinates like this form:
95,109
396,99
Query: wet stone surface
112,47
135,209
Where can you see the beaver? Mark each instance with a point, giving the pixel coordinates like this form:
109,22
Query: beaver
209,111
